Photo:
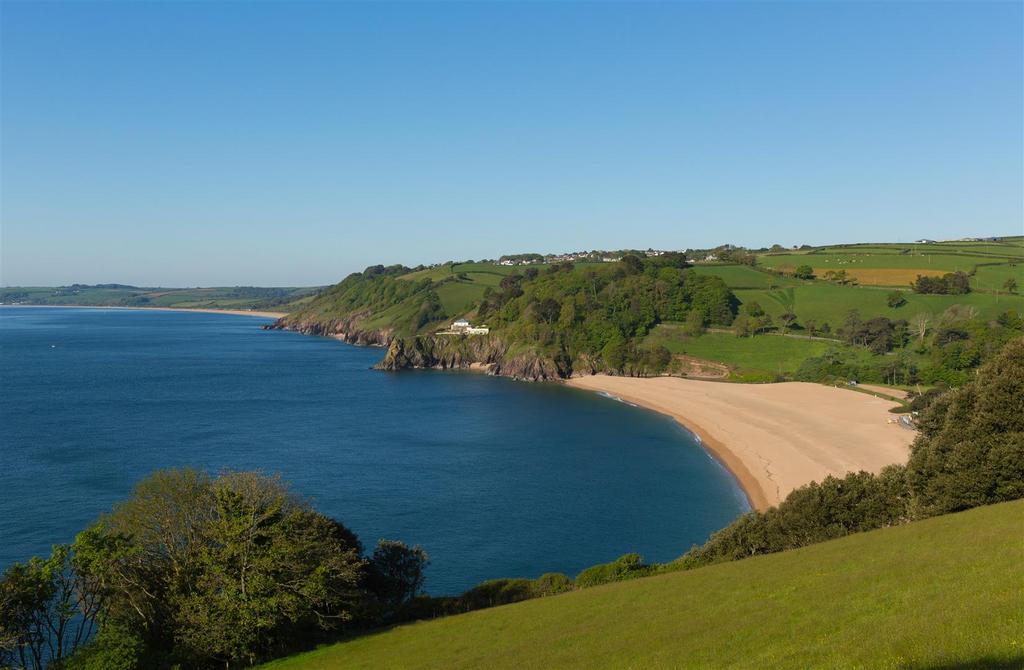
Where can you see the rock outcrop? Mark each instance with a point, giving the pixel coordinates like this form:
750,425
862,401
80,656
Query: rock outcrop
348,329
439,352
447,352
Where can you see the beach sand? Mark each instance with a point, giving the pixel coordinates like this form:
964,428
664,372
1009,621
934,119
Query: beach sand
772,437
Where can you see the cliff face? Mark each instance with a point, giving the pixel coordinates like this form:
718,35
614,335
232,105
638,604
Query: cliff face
347,329
439,352
446,352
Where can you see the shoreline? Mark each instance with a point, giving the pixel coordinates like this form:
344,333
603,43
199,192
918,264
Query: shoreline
757,497
772,438
198,310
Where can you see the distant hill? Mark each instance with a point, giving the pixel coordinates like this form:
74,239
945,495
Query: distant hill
939,593
281,299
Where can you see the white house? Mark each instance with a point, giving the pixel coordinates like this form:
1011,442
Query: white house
460,324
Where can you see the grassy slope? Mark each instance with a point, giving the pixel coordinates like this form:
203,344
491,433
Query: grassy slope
771,354
945,592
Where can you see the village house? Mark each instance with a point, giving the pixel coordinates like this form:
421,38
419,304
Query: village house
464,327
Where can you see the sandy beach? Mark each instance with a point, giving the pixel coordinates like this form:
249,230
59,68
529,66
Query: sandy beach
202,310
773,437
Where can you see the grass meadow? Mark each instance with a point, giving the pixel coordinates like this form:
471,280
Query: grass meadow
939,593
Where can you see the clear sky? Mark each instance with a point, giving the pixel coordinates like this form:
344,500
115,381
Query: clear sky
222,143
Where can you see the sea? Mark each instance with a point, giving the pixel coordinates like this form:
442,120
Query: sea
492,477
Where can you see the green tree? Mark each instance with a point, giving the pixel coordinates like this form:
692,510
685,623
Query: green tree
971,447
788,318
221,570
614,354
804,272
47,610
896,299
694,325
398,572
1010,285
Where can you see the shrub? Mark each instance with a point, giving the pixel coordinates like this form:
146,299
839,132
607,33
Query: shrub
624,567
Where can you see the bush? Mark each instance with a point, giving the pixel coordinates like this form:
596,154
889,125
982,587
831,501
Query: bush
627,566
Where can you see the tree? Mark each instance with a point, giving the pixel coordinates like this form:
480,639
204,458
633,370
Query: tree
221,570
268,566
397,572
804,272
47,610
919,325
788,318
694,323
614,354
632,264
896,299
970,450
1010,285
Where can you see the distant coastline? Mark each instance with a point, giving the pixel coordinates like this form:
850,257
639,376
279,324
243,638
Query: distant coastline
773,438
201,310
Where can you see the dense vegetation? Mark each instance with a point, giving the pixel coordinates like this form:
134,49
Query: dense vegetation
951,283
580,316
198,572
595,317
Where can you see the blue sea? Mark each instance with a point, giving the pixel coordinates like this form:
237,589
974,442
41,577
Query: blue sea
494,478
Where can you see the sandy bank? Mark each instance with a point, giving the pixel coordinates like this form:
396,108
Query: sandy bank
202,310
773,437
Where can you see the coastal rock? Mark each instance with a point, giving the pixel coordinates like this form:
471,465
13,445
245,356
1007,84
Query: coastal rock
347,330
438,352
445,352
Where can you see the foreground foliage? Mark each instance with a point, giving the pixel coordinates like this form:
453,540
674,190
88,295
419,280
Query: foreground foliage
196,572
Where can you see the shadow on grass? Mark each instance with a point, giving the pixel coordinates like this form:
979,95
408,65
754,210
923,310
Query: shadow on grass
990,663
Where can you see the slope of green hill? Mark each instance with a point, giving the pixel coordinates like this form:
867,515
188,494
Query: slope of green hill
947,592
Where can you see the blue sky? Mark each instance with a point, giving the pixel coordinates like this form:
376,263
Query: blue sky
268,143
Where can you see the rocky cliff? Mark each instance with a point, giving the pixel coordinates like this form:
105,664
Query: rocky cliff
439,352
447,352
348,329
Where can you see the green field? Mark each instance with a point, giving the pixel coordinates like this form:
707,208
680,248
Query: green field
830,303
940,593
742,276
899,264
763,354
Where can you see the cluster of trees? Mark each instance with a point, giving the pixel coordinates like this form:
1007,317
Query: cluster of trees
944,350
751,320
198,572
595,317
969,452
839,277
951,283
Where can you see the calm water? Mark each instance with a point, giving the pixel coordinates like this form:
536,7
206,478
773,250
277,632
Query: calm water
493,477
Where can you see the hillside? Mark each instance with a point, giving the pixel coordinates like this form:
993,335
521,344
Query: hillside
940,593
834,313
278,299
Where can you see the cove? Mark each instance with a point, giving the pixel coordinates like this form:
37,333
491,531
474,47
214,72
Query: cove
494,478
